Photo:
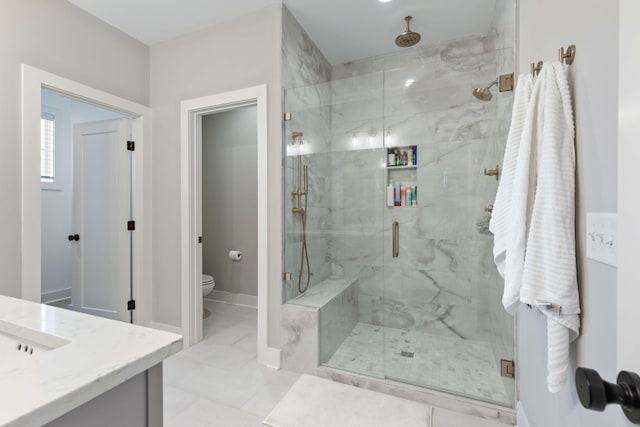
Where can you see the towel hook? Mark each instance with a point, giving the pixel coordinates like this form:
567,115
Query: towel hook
569,56
535,68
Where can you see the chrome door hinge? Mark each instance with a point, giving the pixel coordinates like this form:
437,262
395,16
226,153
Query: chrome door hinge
507,368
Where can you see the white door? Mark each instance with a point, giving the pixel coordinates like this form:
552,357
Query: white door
101,209
628,351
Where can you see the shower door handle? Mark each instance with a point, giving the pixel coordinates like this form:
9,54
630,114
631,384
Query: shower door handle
396,239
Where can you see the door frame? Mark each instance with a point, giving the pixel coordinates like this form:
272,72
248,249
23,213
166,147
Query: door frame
191,112
33,81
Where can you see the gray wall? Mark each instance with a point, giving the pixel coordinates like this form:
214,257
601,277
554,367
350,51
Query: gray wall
57,37
196,65
230,199
593,27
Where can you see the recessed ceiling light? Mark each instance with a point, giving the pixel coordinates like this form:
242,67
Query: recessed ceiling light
384,1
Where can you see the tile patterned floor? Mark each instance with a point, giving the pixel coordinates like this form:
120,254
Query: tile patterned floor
218,382
465,367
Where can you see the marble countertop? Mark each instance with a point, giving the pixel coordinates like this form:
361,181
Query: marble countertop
99,355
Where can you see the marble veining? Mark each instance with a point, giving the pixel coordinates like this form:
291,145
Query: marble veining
316,402
100,355
444,282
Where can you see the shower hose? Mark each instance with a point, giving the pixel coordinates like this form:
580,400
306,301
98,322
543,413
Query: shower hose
304,255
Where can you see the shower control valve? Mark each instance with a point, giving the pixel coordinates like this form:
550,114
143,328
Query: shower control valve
493,172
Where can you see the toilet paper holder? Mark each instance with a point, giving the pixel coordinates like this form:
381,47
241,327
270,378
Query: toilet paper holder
235,255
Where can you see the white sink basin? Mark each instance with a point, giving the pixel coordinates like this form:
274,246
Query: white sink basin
18,341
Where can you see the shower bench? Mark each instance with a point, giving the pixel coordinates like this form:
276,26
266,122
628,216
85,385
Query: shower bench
315,323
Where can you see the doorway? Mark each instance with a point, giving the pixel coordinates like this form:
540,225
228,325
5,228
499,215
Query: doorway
192,113
229,207
139,165
86,201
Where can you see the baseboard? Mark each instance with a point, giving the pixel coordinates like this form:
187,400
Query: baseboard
232,298
53,296
521,416
165,327
269,357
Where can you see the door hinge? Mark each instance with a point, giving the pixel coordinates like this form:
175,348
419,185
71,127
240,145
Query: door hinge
131,304
507,368
131,225
287,116
131,146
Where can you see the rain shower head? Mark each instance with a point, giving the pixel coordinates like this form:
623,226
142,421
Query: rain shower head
408,38
484,93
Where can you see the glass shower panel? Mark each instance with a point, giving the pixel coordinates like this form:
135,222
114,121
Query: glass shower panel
307,147
343,149
444,326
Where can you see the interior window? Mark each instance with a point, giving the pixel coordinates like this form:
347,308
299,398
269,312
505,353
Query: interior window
47,147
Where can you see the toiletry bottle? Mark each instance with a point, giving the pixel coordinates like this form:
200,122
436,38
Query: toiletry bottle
410,159
391,158
396,193
403,196
390,192
398,157
414,196
405,158
415,155
409,196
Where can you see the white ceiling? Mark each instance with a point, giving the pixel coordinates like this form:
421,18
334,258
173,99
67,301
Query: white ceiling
343,29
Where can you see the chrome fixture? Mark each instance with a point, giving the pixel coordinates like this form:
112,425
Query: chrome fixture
504,82
483,93
304,254
408,38
488,208
493,172
568,57
395,244
536,68
565,57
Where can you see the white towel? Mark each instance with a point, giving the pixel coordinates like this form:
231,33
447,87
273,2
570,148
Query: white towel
549,273
507,220
500,220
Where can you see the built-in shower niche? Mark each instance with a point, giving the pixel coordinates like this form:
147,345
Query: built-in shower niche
315,324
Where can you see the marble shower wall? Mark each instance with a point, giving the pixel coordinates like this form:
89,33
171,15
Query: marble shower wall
444,280
304,70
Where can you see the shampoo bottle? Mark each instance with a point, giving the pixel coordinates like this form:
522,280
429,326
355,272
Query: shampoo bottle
390,191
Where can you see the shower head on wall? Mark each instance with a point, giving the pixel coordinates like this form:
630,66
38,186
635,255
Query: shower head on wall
408,38
484,93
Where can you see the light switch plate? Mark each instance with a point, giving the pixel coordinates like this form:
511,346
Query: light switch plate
602,237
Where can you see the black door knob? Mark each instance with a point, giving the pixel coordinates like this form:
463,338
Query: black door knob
73,237
595,393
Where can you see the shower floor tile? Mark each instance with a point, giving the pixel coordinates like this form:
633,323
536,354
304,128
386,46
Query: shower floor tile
464,367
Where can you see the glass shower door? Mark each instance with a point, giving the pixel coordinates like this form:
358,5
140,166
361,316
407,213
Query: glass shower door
444,326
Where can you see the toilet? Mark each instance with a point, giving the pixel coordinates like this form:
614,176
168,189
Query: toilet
207,284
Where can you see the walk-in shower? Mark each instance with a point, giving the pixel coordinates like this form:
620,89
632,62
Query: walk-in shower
404,289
